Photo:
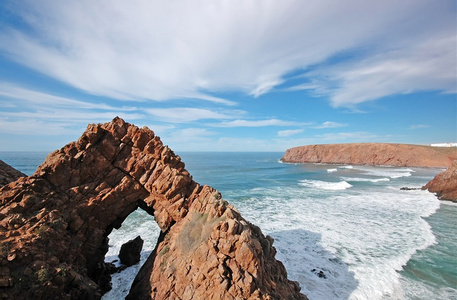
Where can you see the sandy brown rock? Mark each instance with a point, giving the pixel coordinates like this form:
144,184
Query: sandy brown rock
54,226
445,184
378,154
8,174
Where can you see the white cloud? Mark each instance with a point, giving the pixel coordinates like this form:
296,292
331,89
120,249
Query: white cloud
185,114
418,126
189,49
289,132
256,123
189,138
329,124
349,137
33,98
426,66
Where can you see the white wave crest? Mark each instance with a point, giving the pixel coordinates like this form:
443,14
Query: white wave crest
331,170
325,185
357,179
389,172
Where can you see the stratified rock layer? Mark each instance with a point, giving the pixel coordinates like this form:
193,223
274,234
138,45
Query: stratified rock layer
445,184
8,174
376,154
54,226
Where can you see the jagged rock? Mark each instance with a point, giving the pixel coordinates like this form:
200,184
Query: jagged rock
375,154
8,173
405,188
54,226
130,252
319,274
445,184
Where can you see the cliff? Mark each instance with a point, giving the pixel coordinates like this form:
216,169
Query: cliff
379,154
445,184
54,226
8,174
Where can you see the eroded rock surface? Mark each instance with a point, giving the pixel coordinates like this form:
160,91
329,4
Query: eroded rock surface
445,184
376,154
8,174
54,226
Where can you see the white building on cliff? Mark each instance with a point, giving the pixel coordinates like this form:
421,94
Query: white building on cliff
444,145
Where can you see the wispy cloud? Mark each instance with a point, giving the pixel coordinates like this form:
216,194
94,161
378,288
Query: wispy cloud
329,124
27,111
186,114
290,132
428,65
359,136
34,98
418,126
140,50
256,123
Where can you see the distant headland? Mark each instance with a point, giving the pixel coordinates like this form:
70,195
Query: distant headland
379,154
376,154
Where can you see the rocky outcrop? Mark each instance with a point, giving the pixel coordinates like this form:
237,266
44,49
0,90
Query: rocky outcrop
445,184
130,252
376,154
8,174
54,226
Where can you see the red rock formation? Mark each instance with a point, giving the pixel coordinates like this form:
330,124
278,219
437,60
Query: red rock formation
8,174
54,226
401,155
445,184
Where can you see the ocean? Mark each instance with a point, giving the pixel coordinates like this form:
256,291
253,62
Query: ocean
342,231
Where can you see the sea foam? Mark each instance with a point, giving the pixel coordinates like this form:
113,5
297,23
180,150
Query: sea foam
325,185
359,240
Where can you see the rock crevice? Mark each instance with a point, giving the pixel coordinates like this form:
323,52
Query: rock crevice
54,226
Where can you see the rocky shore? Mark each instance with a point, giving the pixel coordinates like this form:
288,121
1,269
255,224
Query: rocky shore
378,154
445,184
54,226
375,154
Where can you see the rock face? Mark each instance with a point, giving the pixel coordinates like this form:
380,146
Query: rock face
54,226
445,184
8,174
130,252
378,154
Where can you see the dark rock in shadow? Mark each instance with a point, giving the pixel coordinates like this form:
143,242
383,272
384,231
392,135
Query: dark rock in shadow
130,252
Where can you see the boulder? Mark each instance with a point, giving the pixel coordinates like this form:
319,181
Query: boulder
130,252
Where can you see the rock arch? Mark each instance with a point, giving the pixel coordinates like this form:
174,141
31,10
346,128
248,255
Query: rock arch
54,226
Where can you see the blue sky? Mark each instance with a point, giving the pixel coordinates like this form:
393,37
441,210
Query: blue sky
229,75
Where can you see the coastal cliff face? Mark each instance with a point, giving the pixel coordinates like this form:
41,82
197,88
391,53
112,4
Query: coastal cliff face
54,226
376,154
8,174
445,184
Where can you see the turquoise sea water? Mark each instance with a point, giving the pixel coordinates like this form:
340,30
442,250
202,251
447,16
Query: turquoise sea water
353,223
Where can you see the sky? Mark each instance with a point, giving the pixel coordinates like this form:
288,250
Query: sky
238,75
